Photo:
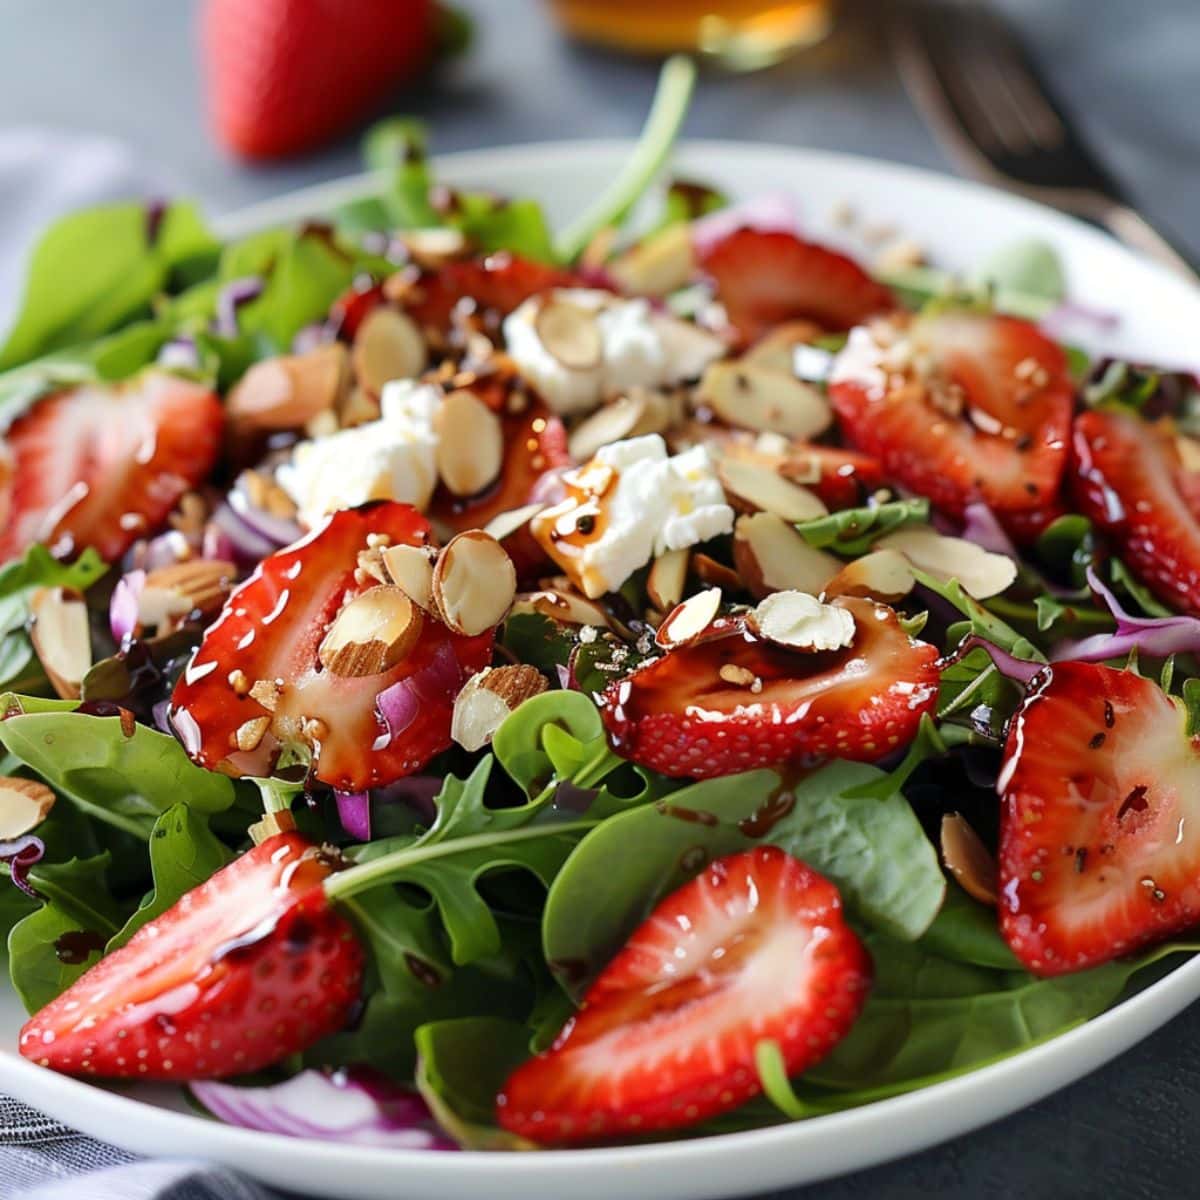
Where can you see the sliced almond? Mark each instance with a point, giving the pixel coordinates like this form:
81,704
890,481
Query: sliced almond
374,632
470,446
738,676
981,572
410,568
666,578
435,248
612,423
753,488
474,583
359,407
968,859
489,698
754,397
387,346
62,639
287,392
777,349
687,621
658,264
687,348
772,557
249,733
570,333
561,605
24,804
881,575
197,587
1189,451
715,574
800,621
505,524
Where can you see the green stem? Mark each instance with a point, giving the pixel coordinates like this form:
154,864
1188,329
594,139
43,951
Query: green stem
658,136
1016,611
388,867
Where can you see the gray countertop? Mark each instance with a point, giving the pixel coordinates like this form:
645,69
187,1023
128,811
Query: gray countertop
126,68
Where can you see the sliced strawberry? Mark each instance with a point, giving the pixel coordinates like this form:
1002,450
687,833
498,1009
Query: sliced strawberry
259,664
678,715
492,286
1099,843
754,949
353,306
1131,481
249,967
765,278
103,464
961,406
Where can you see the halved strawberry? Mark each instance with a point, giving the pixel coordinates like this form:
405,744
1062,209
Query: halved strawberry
353,307
1100,826
679,715
256,682
102,464
961,406
492,286
765,278
1129,478
753,949
249,967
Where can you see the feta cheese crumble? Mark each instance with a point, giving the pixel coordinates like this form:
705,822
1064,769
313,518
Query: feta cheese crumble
388,459
629,504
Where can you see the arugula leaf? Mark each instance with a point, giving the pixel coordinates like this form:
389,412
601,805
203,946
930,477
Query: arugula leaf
125,779
50,948
537,640
403,940
874,850
93,271
494,224
461,1066
399,145
184,853
19,579
1121,384
852,531
979,620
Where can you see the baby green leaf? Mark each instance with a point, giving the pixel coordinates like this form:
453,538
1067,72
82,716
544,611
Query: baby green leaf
852,531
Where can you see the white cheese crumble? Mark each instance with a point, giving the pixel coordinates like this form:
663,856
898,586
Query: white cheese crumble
388,459
641,502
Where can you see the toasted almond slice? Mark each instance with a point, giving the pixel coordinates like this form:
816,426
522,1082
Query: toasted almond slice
61,638
570,333
687,621
287,392
658,264
881,575
249,733
474,583
410,568
489,698
434,248
470,446
969,860
359,407
199,585
388,346
752,488
754,397
772,557
1189,451
612,423
375,631
981,572
687,347
777,349
715,574
801,622
504,525
666,578
24,804
561,605
738,676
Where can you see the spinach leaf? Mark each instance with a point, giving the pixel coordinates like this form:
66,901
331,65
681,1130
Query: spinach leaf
50,948
94,270
461,1067
184,853
19,579
874,850
535,639
852,531
966,931
122,773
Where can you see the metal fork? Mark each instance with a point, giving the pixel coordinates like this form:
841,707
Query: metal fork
987,102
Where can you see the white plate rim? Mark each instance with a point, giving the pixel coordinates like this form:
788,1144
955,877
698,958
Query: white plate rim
784,1155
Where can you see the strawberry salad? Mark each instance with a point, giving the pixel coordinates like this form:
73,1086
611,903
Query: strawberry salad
467,688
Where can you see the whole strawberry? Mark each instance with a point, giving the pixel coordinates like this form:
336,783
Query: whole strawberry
284,76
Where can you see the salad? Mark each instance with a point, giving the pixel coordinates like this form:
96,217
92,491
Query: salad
469,687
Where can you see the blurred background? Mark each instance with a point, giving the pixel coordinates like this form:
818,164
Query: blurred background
133,72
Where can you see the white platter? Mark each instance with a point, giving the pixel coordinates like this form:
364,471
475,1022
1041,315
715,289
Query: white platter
960,223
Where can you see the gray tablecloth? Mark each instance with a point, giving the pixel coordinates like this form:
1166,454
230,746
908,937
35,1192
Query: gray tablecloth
125,70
